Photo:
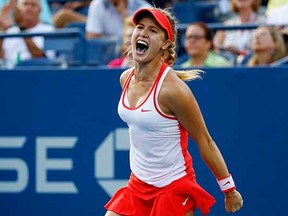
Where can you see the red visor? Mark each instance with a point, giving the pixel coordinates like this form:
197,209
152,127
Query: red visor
160,17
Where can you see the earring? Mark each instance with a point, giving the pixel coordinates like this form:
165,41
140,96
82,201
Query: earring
273,52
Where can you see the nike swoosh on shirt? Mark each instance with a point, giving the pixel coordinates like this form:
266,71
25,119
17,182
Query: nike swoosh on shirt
145,110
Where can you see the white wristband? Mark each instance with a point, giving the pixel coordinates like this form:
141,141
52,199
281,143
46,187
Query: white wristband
227,184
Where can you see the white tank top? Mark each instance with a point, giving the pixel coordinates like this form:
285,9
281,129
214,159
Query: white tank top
158,142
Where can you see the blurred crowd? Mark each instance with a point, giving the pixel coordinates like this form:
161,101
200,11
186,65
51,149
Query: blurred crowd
202,46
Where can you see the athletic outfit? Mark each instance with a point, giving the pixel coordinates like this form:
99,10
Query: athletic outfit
162,181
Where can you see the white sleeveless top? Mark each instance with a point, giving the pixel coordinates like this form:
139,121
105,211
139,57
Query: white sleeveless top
158,142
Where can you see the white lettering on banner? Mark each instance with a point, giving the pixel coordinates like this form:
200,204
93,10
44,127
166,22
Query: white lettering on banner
16,164
105,160
43,164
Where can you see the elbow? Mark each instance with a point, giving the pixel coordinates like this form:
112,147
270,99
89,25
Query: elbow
207,146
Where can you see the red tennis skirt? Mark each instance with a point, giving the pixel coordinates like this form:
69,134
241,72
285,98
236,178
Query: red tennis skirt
176,199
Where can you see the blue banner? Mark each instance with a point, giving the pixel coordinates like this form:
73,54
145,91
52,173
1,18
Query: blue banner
64,149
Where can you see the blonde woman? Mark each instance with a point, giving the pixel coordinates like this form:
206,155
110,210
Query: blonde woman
239,41
161,111
267,46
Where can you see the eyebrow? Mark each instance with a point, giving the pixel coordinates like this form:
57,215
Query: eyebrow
155,26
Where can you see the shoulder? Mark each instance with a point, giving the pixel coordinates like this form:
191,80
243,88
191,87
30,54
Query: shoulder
173,86
174,94
97,6
13,29
124,75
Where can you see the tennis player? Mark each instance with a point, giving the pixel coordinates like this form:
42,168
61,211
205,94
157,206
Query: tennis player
161,112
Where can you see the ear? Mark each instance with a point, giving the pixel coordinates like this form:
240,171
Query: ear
165,45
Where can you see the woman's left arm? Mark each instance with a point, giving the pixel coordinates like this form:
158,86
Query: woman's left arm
181,102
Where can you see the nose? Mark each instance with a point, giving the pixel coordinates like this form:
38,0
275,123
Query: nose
143,33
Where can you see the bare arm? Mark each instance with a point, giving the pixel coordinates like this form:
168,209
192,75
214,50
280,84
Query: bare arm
121,7
5,22
218,40
181,102
33,49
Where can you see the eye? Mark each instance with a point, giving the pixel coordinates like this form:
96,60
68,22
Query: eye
139,27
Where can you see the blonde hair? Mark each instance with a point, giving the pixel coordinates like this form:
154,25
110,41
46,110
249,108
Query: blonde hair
169,55
280,50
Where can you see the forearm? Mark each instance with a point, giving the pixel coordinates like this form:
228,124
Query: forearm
214,159
33,49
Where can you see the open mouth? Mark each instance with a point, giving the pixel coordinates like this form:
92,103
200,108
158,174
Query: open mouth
141,46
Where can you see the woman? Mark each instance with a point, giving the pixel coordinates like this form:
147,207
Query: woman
267,46
161,111
238,42
199,47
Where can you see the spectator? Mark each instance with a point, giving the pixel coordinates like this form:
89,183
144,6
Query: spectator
106,17
199,47
74,11
26,16
45,14
238,41
267,46
125,60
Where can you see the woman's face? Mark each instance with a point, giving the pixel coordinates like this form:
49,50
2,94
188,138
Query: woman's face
196,43
243,3
263,40
148,40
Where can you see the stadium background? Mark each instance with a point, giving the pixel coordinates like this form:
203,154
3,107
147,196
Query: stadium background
63,148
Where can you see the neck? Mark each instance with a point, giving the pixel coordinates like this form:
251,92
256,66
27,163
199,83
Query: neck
147,72
263,58
245,15
31,24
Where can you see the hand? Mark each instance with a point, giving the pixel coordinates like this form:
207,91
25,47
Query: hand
5,20
72,5
19,18
121,8
233,201
12,3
